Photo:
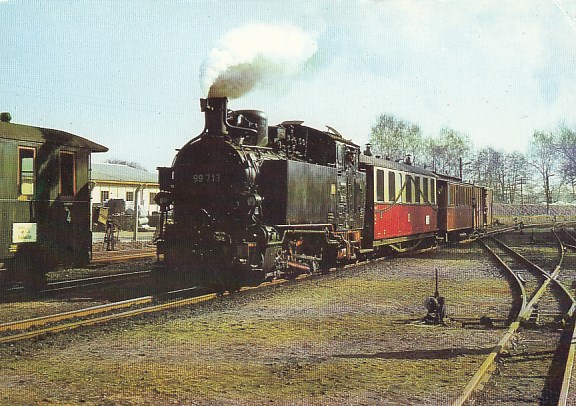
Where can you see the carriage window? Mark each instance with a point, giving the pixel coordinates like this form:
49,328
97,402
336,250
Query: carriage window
26,171
409,183
391,186
425,190
433,191
379,185
417,189
67,184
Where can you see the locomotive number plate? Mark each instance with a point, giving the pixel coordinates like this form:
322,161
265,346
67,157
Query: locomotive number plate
206,177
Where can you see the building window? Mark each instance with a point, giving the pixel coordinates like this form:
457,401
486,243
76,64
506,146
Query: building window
379,185
152,197
104,196
67,170
26,171
129,196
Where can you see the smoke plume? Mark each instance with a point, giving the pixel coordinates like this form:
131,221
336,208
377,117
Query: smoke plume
254,55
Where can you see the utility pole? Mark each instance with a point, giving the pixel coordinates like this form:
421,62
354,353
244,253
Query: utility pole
522,181
137,192
548,192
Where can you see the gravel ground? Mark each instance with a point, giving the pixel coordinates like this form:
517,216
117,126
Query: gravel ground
350,337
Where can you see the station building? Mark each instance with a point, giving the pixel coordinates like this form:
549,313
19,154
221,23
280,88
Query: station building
117,181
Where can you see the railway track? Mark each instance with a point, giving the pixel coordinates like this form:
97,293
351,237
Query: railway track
66,321
18,293
30,328
58,286
103,257
533,361
100,259
110,256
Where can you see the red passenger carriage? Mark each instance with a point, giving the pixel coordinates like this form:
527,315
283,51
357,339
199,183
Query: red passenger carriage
401,199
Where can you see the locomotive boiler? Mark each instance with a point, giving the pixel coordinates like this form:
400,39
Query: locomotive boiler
244,202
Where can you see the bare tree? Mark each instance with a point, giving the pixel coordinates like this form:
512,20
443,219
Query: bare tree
542,157
566,140
517,176
444,153
395,139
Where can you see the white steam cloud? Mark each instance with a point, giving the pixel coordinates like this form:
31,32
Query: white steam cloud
254,55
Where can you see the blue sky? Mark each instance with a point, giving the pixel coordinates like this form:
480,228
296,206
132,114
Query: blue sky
126,74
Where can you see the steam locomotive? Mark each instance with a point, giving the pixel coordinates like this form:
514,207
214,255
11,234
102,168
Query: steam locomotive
244,202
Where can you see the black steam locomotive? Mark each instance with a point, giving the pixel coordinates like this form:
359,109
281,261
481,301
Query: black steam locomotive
250,202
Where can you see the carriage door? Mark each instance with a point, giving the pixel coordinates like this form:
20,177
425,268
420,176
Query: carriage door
67,210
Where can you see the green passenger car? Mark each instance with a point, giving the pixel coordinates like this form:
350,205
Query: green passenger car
44,201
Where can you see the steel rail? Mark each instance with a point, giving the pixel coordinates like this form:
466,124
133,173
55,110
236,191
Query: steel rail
115,256
104,319
116,316
569,365
519,282
94,280
63,285
482,375
571,344
43,320
550,278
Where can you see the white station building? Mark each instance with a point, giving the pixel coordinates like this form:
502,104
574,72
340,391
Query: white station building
116,181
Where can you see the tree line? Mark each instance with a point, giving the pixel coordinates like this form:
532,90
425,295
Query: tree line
545,173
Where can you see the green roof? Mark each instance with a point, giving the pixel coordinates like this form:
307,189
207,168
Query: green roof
42,135
121,173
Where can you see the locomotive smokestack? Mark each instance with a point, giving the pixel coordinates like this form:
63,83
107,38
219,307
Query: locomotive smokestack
368,151
215,110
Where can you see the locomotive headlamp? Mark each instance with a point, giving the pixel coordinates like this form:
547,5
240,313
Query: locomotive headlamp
163,199
253,200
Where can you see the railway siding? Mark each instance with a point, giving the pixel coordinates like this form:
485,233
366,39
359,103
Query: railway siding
537,366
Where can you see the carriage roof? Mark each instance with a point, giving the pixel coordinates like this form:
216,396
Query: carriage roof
41,135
